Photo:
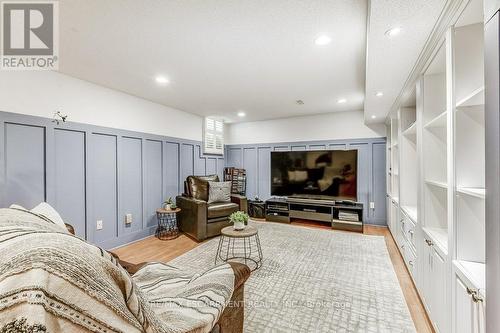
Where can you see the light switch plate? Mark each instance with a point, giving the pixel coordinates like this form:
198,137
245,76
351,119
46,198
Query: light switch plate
372,205
99,225
128,219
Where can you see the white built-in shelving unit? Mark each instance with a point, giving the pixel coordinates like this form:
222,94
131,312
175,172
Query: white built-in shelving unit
408,154
395,159
434,152
436,177
393,173
469,258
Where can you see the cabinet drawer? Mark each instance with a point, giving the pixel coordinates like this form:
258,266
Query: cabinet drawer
408,229
411,259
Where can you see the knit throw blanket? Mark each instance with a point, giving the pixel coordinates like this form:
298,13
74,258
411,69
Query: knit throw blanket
51,281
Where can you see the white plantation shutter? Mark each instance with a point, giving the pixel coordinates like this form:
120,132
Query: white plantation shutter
213,136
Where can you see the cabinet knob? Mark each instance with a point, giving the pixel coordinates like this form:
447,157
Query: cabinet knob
410,262
429,242
474,294
476,298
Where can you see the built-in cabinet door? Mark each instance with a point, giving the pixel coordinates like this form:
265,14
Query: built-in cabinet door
469,310
427,274
439,308
463,308
434,271
394,219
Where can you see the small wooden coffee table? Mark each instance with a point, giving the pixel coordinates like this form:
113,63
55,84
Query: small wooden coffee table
241,246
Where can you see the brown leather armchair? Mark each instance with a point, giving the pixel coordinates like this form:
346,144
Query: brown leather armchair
200,219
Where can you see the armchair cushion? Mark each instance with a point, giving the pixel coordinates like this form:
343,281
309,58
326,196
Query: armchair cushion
197,186
221,209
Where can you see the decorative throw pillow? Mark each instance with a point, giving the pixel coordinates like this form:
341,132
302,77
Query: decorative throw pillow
219,192
15,206
47,211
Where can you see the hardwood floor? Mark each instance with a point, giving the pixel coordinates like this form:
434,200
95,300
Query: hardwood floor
153,249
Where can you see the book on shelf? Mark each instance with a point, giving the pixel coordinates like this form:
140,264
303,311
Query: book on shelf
348,216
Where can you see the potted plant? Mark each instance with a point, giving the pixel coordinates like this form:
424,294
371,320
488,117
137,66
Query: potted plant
169,204
239,220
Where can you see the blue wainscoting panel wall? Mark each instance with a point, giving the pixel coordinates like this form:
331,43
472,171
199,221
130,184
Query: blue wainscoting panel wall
25,163
211,166
153,175
186,162
103,187
69,177
130,175
250,156
91,173
264,172
256,159
172,174
220,167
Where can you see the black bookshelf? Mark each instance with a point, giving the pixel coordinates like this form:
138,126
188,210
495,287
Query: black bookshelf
238,179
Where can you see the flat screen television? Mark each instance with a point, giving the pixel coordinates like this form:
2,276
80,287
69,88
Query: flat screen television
331,173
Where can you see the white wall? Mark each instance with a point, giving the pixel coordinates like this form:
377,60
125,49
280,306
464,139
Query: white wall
331,126
41,93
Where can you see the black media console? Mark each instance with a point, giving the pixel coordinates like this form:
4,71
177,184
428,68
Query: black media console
346,215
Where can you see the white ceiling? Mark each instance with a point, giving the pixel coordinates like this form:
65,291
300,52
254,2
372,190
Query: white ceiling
390,60
224,56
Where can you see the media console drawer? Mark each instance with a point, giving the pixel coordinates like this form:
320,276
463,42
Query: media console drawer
277,217
312,209
308,215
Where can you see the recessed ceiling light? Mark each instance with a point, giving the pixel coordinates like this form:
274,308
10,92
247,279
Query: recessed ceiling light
322,40
393,32
241,114
374,116
342,101
379,94
162,80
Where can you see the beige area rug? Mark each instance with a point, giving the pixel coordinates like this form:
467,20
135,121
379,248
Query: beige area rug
315,280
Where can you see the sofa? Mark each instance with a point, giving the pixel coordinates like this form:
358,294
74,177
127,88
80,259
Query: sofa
200,219
53,281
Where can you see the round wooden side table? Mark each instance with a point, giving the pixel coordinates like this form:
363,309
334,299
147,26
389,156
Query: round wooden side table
241,246
167,224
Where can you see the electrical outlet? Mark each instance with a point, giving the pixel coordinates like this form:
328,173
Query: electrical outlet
99,225
372,205
128,219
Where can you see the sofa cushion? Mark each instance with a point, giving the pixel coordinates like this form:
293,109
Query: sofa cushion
198,186
46,212
221,209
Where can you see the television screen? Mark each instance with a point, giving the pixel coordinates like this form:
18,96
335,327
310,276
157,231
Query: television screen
326,172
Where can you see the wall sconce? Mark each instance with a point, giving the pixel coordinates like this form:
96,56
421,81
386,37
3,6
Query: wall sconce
59,117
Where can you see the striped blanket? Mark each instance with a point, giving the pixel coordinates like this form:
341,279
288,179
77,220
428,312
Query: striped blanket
51,281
